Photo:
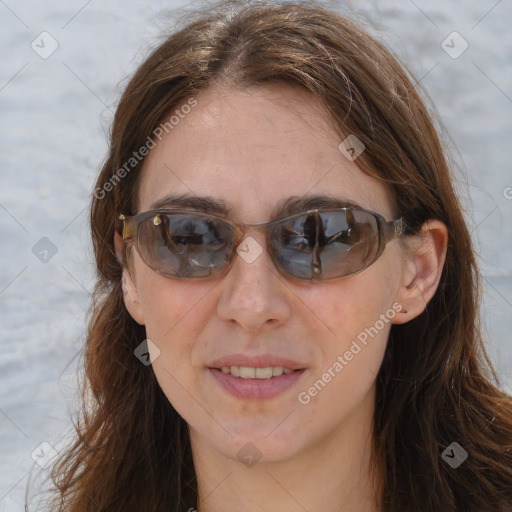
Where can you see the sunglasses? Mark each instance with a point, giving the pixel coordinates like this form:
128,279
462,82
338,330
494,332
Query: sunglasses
320,244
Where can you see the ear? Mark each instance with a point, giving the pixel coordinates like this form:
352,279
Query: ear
425,255
119,247
130,294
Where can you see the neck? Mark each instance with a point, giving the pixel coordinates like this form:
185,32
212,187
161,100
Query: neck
332,474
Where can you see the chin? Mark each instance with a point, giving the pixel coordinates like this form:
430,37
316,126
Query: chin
254,445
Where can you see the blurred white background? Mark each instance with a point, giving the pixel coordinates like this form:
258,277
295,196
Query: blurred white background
55,110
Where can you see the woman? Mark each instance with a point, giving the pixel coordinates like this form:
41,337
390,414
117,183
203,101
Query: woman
287,311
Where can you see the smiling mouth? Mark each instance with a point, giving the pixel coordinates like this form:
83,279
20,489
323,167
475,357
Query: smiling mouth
247,372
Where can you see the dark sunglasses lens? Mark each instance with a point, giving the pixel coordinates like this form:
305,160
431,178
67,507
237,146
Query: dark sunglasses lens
326,245
185,246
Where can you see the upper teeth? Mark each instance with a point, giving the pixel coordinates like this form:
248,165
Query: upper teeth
246,372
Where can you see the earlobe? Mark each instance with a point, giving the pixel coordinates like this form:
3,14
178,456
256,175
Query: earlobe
118,246
131,298
130,293
425,256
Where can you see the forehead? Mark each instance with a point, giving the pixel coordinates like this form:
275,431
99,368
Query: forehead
254,149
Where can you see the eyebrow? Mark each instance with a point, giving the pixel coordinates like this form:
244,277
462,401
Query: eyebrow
288,206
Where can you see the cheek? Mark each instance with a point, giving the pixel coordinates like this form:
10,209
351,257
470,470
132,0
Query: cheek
356,316
350,305
175,313
172,308
358,312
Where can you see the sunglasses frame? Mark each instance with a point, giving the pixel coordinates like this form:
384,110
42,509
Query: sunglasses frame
128,226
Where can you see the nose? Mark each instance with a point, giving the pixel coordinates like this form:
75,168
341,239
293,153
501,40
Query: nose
254,295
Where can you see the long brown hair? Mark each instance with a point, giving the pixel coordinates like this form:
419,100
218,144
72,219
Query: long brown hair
436,385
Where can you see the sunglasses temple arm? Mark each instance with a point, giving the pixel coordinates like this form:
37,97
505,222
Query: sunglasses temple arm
394,229
126,227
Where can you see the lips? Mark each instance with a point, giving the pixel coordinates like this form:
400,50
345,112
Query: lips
256,377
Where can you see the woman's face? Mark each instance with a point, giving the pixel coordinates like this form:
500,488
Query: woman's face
252,150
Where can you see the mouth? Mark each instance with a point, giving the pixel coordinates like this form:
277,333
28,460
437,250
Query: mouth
256,383
248,372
